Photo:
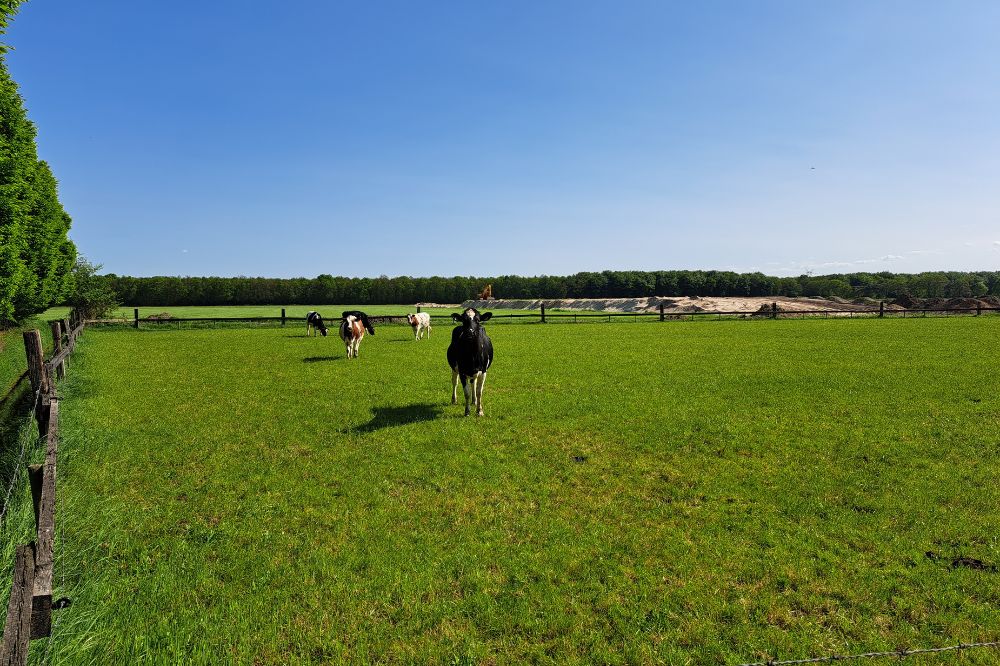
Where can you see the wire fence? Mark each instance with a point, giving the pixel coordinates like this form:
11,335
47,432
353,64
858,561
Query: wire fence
906,652
25,438
30,604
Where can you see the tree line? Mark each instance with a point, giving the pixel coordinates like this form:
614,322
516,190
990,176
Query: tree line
36,255
167,291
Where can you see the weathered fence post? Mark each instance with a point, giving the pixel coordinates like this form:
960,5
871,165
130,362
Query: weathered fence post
282,316
17,631
35,475
418,309
543,312
136,322
38,376
979,309
57,346
881,309
41,603
774,310
661,311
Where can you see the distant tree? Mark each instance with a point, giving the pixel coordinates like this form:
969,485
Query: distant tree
93,294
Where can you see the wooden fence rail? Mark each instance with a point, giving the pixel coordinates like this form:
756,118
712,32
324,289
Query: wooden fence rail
544,315
29,611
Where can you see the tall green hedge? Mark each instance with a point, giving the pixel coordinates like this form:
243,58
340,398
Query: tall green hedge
36,255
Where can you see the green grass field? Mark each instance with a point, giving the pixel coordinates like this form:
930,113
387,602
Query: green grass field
685,493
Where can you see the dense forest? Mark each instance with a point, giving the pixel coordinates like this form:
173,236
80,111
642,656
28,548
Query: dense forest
36,256
157,291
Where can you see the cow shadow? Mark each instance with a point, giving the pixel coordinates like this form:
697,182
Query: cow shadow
389,417
320,359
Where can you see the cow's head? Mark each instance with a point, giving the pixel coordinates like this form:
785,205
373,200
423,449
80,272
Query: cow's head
411,320
471,320
323,330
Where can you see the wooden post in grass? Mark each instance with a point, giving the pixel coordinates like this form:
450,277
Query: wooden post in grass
282,316
774,310
136,321
418,309
35,475
979,309
36,360
17,630
661,311
543,312
881,309
57,346
41,603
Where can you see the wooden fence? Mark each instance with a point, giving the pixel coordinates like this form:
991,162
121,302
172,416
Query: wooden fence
545,316
29,611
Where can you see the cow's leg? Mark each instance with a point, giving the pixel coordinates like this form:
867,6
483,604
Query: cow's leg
427,331
416,332
467,389
454,386
480,382
347,343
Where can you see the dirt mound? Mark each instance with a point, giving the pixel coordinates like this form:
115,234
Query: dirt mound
941,303
906,302
769,309
991,301
159,317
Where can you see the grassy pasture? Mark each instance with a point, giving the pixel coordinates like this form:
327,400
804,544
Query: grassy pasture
696,492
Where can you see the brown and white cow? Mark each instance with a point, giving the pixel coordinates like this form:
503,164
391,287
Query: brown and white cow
352,330
420,322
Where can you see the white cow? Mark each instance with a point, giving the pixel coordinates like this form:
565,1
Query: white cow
420,322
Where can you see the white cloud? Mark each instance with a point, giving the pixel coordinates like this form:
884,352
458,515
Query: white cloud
891,257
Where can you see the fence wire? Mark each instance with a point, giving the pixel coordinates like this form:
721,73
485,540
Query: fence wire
24,435
907,652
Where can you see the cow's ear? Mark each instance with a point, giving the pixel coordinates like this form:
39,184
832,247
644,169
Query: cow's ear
486,316
456,316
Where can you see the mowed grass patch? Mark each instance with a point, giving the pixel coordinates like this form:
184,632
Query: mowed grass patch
698,492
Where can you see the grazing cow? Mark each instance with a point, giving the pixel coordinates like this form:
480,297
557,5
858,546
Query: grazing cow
315,323
470,355
420,322
352,329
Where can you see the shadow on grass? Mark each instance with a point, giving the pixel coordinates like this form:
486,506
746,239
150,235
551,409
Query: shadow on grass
388,417
320,359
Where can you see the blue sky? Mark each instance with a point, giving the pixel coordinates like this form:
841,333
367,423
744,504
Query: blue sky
298,138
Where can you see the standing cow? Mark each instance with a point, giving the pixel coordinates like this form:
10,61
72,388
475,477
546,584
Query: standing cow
470,355
314,322
420,322
352,330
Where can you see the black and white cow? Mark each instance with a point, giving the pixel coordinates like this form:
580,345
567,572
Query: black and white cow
315,323
470,355
352,330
